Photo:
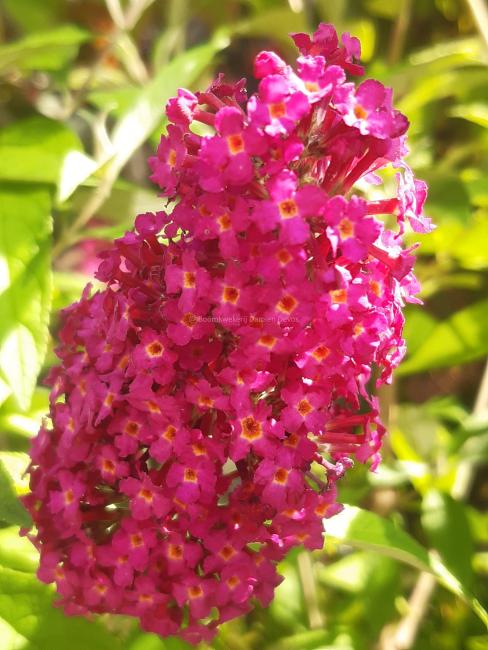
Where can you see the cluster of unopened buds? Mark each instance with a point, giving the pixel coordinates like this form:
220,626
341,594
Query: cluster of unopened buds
212,394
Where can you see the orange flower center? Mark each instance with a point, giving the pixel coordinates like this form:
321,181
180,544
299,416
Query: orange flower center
375,287
304,407
153,407
230,294
358,329
267,341
288,209
287,304
195,591
251,429
346,228
321,353
311,86
172,158
108,466
203,400
69,497
169,433
199,449
227,552
189,280
277,110
235,143
292,440
190,476
189,320
146,495
132,428
136,540
284,257
224,222
281,476
360,112
155,349
175,551
339,296
232,582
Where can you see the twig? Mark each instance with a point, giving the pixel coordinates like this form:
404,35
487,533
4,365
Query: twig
399,33
307,579
100,194
407,630
465,472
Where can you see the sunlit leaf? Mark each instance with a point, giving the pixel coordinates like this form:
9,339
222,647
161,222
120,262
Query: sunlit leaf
447,527
447,199
17,552
276,23
310,640
32,15
477,113
26,605
25,424
11,510
15,463
125,201
25,287
48,50
450,52
34,150
367,530
418,325
458,339
384,8
76,168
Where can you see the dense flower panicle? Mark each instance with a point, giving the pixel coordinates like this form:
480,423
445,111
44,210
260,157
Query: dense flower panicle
211,396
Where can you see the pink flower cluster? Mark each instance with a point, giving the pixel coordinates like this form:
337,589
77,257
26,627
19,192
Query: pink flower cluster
209,398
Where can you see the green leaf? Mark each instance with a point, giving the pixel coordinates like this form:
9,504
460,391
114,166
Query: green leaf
448,531
368,531
15,463
26,606
17,552
32,15
48,50
309,640
34,150
459,339
76,168
459,243
276,23
418,325
352,573
477,113
125,200
11,510
447,199
25,424
25,287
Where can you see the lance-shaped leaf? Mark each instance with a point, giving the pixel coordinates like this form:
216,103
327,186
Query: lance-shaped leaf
25,287
366,530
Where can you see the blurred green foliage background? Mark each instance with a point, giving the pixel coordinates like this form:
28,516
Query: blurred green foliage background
82,88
